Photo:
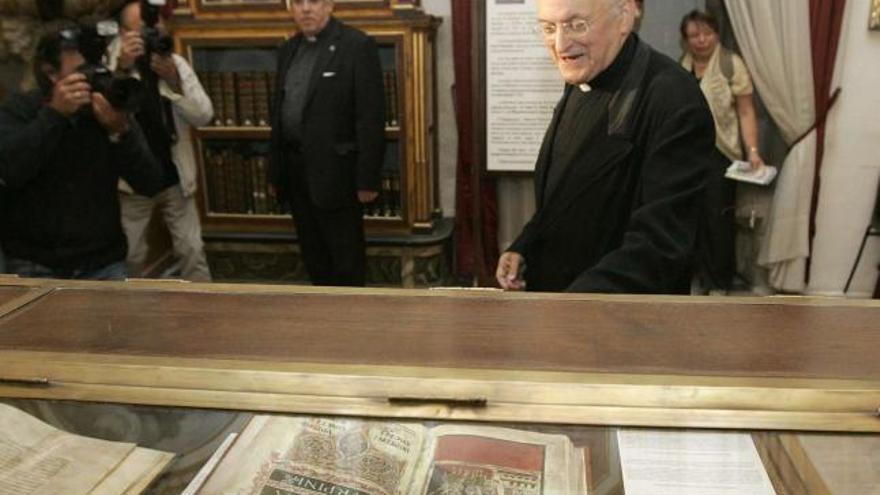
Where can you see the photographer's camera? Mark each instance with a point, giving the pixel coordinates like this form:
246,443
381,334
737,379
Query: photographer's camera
155,39
90,39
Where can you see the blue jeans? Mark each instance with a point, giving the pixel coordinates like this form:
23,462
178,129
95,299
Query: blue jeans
25,268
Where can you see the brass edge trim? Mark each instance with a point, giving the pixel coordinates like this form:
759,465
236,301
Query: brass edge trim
7,280
18,360
805,467
858,398
232,288
15,361
26,381
784,477
493,412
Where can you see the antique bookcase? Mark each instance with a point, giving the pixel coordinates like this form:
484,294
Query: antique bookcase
232,47
204,357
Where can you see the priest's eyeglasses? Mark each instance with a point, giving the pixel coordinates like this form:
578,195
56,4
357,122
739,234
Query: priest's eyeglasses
575,27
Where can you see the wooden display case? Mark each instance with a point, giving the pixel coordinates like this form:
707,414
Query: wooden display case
655,361
578,365
233,50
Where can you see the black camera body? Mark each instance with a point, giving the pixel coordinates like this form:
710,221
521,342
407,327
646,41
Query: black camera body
155,41
123,93
90,39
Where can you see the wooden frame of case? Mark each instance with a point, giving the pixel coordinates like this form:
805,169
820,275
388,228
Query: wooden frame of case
412,38
775,373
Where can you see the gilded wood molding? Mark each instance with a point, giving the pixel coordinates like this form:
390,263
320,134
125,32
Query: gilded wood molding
874,16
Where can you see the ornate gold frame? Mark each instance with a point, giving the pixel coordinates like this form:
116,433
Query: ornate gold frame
238,5
874,19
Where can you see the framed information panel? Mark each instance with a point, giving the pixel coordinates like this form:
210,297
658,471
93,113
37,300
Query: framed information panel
522,86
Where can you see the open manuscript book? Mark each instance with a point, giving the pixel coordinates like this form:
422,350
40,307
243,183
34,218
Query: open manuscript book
280,455
37,459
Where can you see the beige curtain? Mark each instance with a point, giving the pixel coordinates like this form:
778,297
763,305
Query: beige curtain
774,38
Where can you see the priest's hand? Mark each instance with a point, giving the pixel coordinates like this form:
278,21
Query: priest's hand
511,266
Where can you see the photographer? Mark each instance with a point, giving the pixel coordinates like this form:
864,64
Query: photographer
174,101
63,148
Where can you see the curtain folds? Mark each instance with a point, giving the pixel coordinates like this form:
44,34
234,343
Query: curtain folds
776,44
791,49
826,19
476,216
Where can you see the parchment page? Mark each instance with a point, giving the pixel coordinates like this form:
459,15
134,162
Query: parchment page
283,455
691,463
37,459
135,473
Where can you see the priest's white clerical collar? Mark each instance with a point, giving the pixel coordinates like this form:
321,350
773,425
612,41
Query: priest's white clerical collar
584,87
311,39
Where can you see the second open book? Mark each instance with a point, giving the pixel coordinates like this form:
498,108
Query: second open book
280,455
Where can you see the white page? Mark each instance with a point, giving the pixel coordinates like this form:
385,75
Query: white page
38,459
691,463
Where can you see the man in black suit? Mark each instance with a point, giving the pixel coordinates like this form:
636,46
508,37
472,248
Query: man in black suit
621,172
328,139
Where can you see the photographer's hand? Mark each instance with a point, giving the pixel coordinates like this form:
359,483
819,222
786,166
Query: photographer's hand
164,67
115,121
69,94
131,48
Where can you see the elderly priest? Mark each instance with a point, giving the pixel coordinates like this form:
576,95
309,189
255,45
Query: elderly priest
620,176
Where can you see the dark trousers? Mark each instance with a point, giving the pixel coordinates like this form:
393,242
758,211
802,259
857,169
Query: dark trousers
716,255
331,241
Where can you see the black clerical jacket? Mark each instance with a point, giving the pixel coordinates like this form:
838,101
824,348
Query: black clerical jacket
623,217
343,120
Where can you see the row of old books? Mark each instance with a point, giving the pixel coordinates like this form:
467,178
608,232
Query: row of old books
389,78
387,204
242,99
237,183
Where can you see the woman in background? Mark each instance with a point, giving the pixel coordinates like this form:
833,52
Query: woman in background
727,86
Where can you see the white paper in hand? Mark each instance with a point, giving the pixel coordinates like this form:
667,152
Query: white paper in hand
742,171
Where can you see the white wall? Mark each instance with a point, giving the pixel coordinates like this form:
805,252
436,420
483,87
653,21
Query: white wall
852,163
447,134
660,25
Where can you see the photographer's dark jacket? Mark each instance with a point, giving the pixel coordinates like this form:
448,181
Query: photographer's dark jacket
618,201
59,178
